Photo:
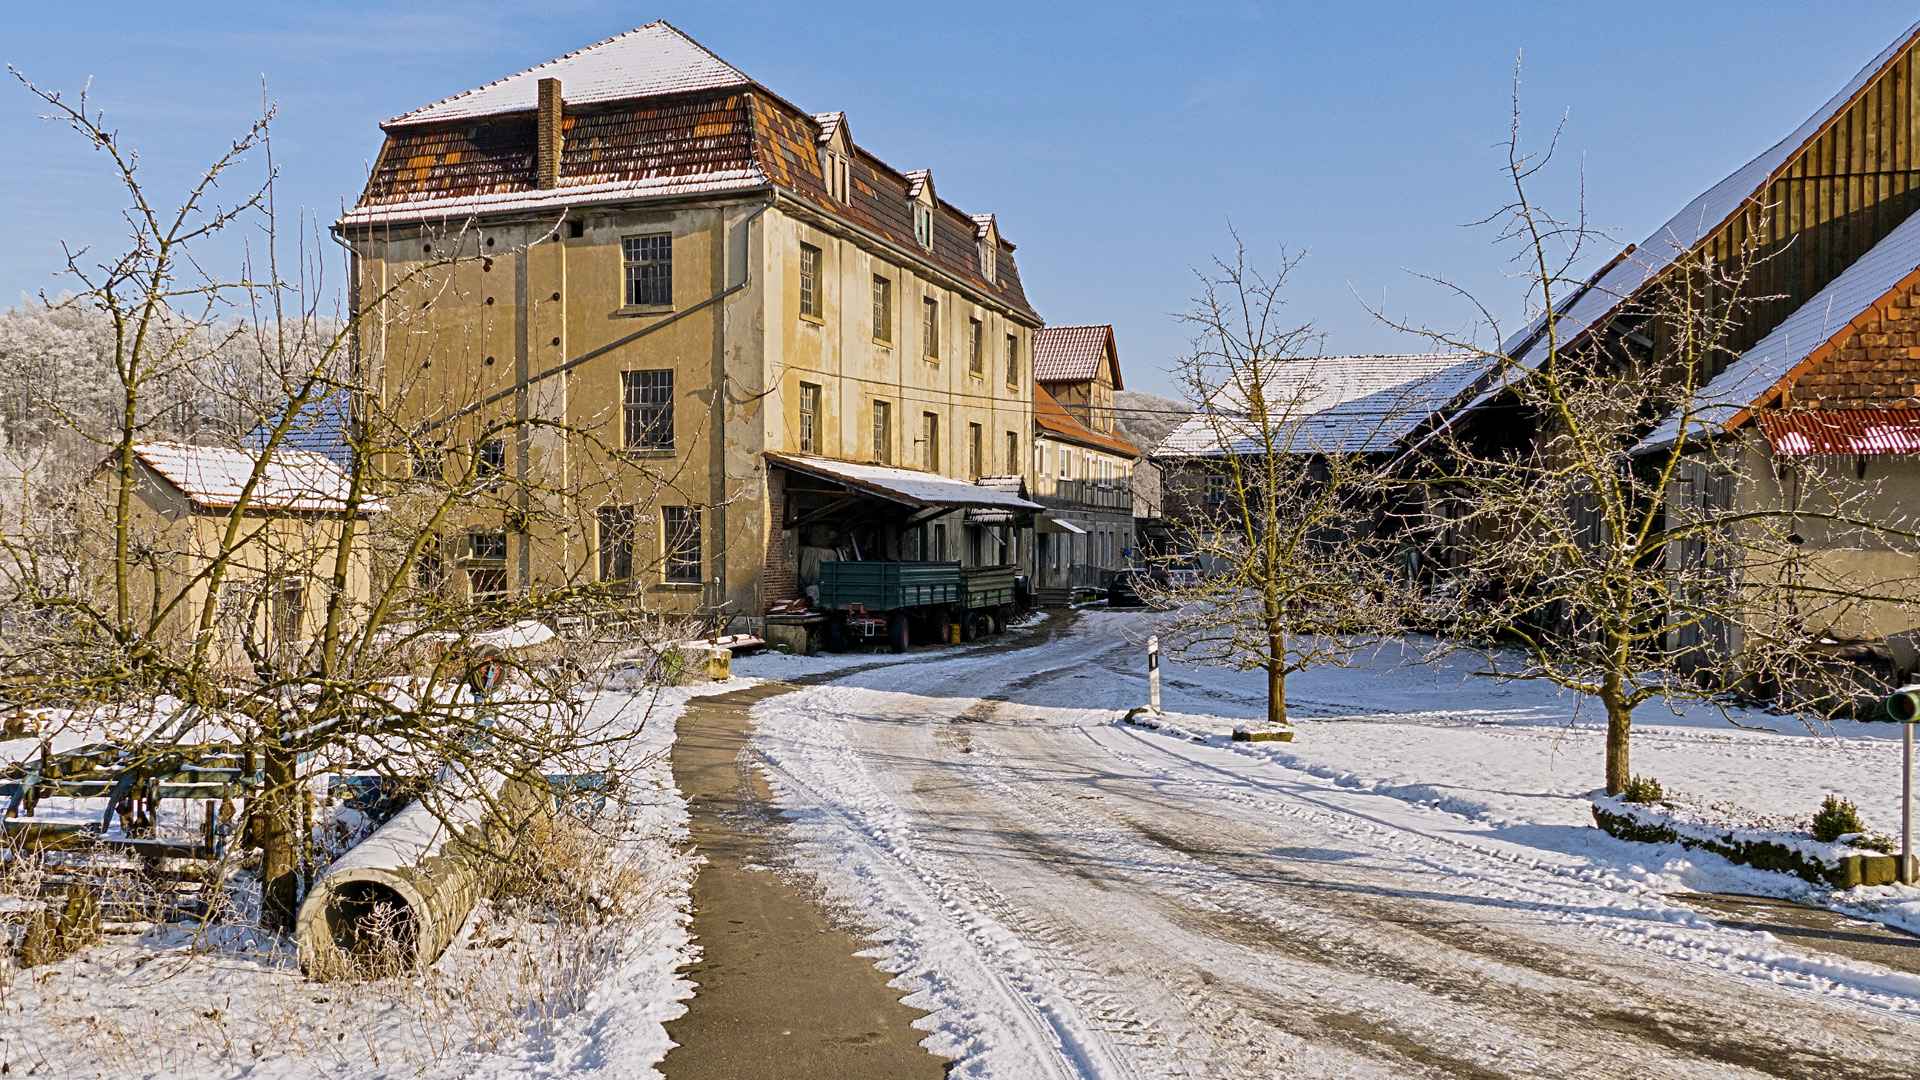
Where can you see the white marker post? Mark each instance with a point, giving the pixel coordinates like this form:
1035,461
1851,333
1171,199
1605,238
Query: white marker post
1153,674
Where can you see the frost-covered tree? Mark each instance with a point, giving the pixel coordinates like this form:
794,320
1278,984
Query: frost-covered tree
1281,512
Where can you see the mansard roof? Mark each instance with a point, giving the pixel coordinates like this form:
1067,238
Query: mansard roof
653,60
653,115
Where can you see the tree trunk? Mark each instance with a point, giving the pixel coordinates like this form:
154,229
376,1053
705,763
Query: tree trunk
278,808
1619,723
1276,677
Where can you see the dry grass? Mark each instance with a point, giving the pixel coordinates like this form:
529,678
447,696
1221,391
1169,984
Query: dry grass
176,1002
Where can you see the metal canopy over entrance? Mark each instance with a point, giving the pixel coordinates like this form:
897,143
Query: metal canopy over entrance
905,487
846,510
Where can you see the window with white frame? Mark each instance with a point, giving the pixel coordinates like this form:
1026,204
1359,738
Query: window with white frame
809,418
810,281
836,172
649,266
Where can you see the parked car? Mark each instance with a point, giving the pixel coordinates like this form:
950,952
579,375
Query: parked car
1183,576
1124,590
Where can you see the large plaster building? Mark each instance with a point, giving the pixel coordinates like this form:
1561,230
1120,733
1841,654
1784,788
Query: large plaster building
786,349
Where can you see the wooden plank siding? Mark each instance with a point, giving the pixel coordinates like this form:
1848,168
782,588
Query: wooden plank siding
1853,183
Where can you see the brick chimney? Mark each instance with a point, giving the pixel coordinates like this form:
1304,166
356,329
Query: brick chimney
546,161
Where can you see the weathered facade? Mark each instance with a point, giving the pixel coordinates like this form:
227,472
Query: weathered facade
1082,469
672,285
277,562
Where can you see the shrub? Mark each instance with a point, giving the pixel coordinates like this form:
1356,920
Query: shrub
1837,818
1643,789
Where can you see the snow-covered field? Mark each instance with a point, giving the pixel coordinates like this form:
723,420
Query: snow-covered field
1413,887
514,996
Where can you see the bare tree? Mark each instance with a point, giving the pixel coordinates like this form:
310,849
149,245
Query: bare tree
1280,512
1586,520
313,619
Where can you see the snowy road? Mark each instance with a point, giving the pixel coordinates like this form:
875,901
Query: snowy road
1073,897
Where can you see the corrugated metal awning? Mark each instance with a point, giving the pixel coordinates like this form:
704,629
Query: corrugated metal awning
1813,432
910,487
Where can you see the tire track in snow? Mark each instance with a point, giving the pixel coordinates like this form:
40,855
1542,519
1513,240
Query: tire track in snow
828,785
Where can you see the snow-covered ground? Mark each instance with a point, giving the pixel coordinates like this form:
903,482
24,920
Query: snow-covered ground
1412,887
513,996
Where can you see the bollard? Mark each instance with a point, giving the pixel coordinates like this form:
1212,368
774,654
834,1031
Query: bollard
1153,674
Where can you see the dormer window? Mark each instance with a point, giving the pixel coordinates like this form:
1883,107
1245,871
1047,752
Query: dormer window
923,225
987,240
920,197
837,174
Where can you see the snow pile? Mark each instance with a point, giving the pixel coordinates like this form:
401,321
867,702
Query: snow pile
517,993
1722,827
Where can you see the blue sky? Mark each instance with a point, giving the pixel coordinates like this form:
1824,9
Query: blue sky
1115,141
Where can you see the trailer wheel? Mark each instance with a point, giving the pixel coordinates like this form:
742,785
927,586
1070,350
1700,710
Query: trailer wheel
836,635
897,632
969,626
941,621
1000,619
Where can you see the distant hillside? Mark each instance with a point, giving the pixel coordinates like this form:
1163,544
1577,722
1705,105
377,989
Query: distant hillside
1145,419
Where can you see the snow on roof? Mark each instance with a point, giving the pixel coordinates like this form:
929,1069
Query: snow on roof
1773,358
214,477
829,124
1072,353
906,485
1336,404
654,59
570,191
1695,221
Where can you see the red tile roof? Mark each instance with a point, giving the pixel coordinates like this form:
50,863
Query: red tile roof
1054,419
1808,432
1073,354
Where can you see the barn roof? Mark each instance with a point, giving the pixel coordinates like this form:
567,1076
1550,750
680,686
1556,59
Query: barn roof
1334,404
1887,269
1073,353
1698,220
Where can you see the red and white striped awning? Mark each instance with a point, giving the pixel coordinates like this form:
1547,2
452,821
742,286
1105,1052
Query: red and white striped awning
1813,432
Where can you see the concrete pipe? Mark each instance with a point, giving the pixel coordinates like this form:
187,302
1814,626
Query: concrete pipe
397,899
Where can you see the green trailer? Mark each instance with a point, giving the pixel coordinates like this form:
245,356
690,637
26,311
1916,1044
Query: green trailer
874,599
871,599
988,595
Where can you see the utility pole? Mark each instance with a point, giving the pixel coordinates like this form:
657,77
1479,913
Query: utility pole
1903,708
